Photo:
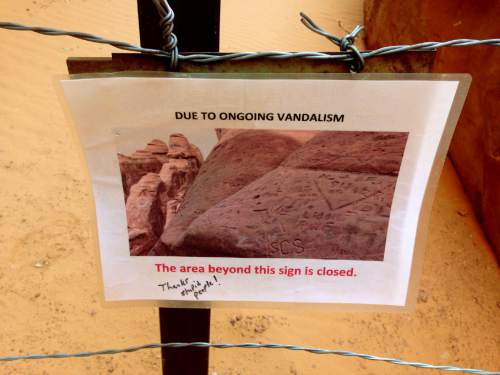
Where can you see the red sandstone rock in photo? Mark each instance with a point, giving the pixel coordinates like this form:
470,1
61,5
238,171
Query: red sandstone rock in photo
180,148
362,152
133,167
155,181
231,165
177,175
158,149
330,199
301,136
223,134
264,193
144,214
298,213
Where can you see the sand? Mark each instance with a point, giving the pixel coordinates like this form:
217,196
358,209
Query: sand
45,215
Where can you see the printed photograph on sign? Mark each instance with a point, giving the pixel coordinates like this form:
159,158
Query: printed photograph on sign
223,190
259,193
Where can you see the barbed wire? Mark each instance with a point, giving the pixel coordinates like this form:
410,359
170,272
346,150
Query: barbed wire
344,353
208,58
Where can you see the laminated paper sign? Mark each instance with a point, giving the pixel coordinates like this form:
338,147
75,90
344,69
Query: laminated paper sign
284,188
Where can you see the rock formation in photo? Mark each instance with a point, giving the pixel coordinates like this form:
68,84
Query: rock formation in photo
356,152
144,213
135,166
155,181
264,193
237,160
329,199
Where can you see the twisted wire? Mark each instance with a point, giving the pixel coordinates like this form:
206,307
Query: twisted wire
344,353
206,58
167,26
345,44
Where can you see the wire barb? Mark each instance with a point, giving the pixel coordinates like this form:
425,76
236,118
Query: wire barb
357,61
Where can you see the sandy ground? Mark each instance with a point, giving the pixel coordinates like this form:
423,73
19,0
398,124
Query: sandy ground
45,216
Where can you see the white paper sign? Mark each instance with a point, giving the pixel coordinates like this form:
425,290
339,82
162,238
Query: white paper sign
310,189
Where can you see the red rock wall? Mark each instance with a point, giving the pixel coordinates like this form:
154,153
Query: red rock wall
475,149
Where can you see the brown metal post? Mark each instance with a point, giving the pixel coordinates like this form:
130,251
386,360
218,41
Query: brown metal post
184,325
196,25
